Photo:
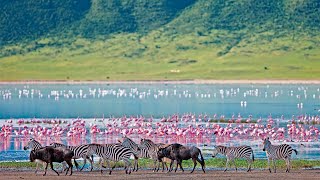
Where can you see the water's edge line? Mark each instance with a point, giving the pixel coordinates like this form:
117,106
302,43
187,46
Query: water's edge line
197,81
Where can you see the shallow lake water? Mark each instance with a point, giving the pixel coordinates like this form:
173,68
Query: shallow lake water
90,102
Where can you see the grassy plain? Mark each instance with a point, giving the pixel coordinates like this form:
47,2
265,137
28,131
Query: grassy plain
112,60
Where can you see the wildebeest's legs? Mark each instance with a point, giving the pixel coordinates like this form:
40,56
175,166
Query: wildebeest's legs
194,163
171,164
202,164
70,166
51,164
181,166
179,162
176,166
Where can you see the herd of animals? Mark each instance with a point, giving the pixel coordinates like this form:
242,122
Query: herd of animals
160,153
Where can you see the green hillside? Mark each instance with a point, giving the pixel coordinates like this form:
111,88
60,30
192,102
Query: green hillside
159,39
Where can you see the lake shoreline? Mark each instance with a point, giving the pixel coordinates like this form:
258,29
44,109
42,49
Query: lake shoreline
168,82
148,174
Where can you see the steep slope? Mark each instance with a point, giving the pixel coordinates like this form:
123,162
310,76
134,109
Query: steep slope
30,19
159,39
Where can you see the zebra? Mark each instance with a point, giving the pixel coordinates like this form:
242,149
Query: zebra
235,152
152,150
112,152
141,152
134,147
275,152
79,151
35,145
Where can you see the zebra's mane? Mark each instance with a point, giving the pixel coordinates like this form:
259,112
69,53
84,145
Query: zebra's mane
147,141
222,149
130,140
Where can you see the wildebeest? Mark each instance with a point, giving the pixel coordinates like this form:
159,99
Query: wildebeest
179,152
49,155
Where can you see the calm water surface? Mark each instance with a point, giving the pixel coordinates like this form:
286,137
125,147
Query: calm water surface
158,100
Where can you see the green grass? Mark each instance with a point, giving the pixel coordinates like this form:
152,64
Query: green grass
157,57
210,163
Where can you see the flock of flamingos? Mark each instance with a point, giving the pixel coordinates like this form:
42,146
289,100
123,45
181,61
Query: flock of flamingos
177,127
300,129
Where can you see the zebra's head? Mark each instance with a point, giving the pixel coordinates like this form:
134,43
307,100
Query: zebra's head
30,144
266,144
144,141
215,152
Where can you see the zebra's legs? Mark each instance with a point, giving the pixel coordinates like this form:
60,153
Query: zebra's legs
64,166
234,162
101,161
113,168
135,165
288,164
37,167
128,166
164,164
85,161
45,169
155,165
227,165
249,164
269,165
274,165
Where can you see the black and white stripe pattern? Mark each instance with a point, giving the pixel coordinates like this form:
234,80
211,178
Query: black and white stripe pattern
274,152
152,150
235,152
138,151
112,152
32,145
79,152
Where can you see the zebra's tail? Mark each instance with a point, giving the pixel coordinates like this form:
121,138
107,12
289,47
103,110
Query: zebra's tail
252,155
295,151
92,158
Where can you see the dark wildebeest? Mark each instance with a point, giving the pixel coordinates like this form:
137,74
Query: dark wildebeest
179,152
49,155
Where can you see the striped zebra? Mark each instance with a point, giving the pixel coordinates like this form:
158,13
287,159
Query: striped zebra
113,153
79,151
35,145
152,151
141,152
235,152
275,152
134,147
